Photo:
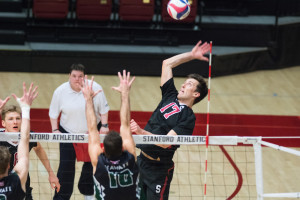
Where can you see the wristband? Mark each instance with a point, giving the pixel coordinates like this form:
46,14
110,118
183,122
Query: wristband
55,130
25,108
104,125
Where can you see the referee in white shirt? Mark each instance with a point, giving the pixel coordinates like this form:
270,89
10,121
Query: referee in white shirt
68,101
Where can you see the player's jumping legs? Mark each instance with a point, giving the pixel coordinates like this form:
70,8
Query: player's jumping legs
155,179
162,190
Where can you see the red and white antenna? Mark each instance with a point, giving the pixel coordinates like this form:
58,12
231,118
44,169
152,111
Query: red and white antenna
207,120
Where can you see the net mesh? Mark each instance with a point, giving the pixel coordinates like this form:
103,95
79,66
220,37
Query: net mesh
231,172
222,177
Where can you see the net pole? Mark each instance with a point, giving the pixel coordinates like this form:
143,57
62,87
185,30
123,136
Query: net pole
207,120
258,170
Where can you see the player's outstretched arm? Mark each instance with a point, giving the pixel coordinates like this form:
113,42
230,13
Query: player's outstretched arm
124,89
53,180
25,102
94,139
196,53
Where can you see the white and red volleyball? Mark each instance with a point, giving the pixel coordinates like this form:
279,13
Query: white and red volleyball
179,9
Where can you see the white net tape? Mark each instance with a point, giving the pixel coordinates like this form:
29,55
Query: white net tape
139,139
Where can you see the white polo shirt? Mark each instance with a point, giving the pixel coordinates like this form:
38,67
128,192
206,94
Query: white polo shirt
71,105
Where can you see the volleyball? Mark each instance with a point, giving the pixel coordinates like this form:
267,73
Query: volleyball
179,9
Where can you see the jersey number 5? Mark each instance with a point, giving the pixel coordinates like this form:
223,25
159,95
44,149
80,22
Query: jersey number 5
123,179
174,111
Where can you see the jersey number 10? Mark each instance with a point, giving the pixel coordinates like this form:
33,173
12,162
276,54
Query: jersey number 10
121,179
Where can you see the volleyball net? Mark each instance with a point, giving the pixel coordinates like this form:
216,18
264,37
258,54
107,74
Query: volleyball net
237,167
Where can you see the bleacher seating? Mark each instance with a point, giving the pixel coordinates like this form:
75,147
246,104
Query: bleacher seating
10,5
138,21
136,10
50,9
95,10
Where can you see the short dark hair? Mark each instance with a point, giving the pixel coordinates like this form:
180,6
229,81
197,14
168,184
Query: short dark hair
10,108
77,67
201,87
113,145
4,159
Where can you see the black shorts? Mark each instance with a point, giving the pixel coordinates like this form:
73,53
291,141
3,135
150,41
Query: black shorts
155,178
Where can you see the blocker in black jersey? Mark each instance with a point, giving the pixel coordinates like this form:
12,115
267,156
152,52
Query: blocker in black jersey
114,167
10,188
116,179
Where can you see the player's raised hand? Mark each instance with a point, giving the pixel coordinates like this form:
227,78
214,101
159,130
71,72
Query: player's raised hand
134,127
199,50
87,89
3,102
125,82
28,96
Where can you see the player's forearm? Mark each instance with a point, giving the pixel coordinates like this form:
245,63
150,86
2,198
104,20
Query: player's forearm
125,110
128,142
177,60
22,166
171,63
54,124
45,161
90,115
125,119
41,154
23,147
94,139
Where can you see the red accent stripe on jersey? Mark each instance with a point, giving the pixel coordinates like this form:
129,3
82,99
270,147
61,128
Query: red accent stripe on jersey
165,185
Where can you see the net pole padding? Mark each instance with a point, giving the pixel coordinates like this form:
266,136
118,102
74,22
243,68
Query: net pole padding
281,148
207,120
258,170
279,195
237,170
